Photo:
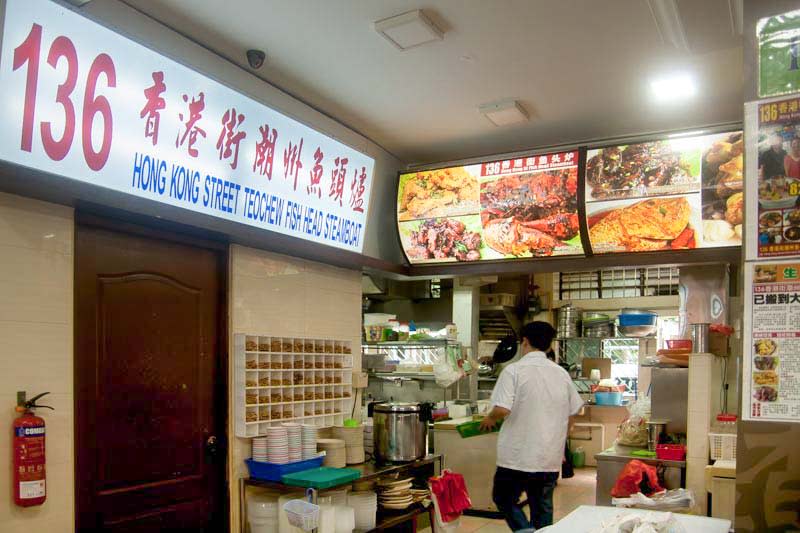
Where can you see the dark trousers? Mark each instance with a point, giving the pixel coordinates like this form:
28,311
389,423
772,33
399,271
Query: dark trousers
539,486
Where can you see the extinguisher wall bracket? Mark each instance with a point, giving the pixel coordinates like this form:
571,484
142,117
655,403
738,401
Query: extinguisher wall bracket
31,404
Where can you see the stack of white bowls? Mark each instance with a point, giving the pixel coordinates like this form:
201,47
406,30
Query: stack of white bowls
353,438
260,449
335,452
262,513
295,440
365,507
277,445
369,436
309,441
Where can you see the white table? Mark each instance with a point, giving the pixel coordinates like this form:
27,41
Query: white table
587,518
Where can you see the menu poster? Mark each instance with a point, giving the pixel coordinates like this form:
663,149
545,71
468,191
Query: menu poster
771,378
523,207
778,54
775,171
673,194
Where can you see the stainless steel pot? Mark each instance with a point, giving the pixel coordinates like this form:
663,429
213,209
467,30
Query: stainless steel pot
401,432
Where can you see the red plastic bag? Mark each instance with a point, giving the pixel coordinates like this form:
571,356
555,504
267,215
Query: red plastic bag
451,494
635,477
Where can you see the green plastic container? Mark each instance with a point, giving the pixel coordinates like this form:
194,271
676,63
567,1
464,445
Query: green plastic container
472,429
323,477
578,458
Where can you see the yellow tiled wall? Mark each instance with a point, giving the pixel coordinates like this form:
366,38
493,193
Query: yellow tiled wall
36,279
272,294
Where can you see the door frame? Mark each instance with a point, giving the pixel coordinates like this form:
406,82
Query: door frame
150,228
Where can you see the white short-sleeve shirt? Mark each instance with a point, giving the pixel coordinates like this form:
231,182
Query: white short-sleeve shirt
541,397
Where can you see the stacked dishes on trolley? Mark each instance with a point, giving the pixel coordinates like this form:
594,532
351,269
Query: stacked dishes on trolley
569,318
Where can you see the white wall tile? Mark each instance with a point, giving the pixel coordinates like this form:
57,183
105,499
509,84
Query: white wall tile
272,294
36,353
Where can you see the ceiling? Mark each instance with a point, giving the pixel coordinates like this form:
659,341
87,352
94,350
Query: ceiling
580,68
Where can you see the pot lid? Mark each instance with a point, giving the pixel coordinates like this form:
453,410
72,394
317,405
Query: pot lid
397,407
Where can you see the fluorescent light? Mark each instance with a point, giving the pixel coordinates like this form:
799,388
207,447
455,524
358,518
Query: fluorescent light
686,134
504,112
668,23
409,29
673,88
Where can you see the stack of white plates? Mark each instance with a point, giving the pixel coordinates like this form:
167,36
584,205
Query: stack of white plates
353,438
295,441
260,449
395,494
365,507
309,441
262,513
277,445
335,452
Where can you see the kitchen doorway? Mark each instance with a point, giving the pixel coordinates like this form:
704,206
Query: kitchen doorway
150,380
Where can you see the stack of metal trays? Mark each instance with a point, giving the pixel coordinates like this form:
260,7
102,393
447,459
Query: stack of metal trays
569,318
597,325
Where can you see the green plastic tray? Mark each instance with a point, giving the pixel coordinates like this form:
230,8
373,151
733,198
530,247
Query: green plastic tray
472,429
323,477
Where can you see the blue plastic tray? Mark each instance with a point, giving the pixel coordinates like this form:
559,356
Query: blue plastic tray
274,472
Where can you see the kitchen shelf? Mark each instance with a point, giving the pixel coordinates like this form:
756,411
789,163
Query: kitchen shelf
273,404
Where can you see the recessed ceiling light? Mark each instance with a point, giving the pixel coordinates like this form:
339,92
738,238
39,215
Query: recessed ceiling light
673,88
409,29
504,112
78,3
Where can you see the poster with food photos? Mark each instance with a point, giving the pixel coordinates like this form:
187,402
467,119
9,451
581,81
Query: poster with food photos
771,366
509,209
678,193
773,178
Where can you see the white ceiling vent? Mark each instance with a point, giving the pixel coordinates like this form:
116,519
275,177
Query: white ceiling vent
504,112
409,30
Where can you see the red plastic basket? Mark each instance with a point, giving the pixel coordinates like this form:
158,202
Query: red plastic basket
671,452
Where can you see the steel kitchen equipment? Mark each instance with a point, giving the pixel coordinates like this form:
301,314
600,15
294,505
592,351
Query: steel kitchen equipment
655,427
401,431
700,337
568,318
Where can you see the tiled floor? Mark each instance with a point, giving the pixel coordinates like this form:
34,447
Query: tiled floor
570,493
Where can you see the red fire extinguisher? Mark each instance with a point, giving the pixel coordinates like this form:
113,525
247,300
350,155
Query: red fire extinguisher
29,458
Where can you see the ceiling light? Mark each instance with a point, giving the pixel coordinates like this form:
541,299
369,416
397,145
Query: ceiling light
672,88
409,30
686,134
78,3
504,112
668,23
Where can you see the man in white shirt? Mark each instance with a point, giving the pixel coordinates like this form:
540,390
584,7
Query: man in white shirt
535,397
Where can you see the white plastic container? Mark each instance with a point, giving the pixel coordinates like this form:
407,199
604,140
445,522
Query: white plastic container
345,519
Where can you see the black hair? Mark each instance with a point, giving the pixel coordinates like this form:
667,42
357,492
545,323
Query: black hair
539,334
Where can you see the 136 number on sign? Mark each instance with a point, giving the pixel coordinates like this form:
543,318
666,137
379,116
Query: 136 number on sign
61,49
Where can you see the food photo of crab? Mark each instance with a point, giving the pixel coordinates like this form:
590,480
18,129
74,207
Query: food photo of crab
532,214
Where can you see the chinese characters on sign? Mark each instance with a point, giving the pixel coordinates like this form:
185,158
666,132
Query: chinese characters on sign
771,379
223,158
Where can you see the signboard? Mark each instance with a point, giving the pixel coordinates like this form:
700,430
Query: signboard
778,54
674,194
771,377
83,102
517,208
774,171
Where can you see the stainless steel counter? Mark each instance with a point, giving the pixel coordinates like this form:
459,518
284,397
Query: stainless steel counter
611,462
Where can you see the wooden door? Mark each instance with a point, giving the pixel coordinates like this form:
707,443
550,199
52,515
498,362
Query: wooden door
149,384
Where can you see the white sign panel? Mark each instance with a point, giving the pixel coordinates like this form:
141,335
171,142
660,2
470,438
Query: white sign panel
771,362
83,102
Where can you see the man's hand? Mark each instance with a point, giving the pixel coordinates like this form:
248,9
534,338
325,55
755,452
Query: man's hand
487,424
